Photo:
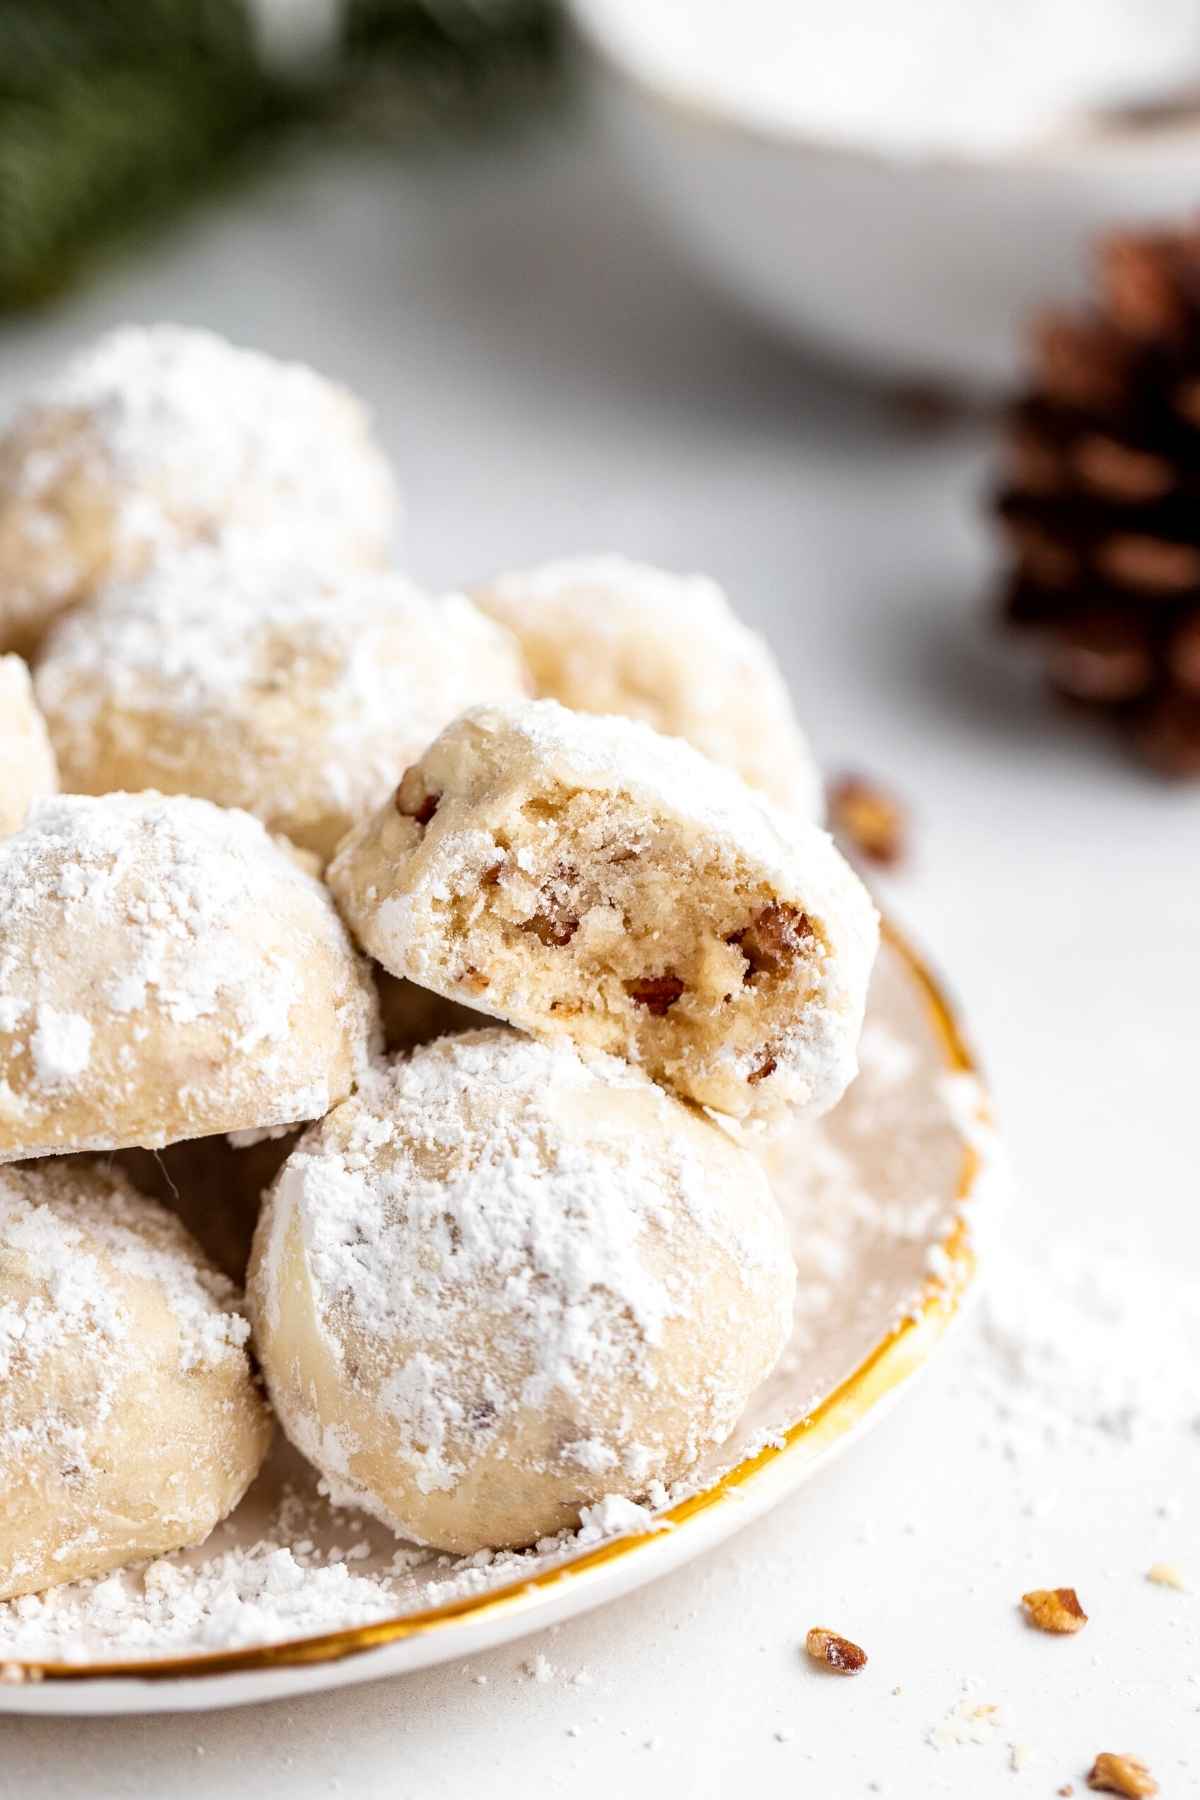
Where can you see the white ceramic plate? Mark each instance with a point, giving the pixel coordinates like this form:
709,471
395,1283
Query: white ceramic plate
880,1198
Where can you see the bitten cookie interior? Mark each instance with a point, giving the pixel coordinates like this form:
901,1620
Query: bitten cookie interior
584,876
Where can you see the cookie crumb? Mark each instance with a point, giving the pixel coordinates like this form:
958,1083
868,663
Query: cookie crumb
970,1722
1167,1575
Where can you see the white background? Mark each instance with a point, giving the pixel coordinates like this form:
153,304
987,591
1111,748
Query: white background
549,380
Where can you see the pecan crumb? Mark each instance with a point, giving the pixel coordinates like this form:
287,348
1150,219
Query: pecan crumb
555,932
657,993
772,939
1128,1775
763,1070
834,1652
413,800
474,979
869,819
1054,1609
1066,1790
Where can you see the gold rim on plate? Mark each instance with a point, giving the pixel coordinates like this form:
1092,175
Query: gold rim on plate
904,1350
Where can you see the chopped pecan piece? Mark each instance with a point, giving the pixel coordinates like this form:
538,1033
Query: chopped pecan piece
773,938
550,930
834,1652
869,819
413,800
555,924
1128,1775
763,1070
657,993
1054,1609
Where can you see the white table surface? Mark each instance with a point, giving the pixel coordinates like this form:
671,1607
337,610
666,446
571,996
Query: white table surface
549,379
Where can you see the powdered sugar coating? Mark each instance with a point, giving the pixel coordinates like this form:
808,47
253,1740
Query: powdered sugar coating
124,1379
166,971
603,634
28,770
502,1282
155,437
260,679
863,1231
570,863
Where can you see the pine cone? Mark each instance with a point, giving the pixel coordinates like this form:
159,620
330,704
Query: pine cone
1102,502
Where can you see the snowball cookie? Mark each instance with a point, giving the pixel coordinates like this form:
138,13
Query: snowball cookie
27,766
605,635
584,877
166,971
257,681
130,1423
501,1283
156,437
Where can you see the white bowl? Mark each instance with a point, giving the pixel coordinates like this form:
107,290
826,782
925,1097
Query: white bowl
920,270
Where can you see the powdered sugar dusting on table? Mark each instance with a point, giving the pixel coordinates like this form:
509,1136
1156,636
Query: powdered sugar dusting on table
1090,1344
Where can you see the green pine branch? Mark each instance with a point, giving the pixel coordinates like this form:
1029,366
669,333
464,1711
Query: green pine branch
115,113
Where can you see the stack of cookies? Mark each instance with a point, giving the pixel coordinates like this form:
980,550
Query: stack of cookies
481,930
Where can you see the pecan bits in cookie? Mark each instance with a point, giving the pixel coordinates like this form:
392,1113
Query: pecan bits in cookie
617,888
